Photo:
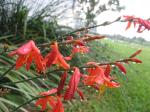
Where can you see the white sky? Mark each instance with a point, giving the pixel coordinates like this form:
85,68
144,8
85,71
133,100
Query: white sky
138,8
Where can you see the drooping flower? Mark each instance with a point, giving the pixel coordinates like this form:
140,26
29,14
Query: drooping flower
143,24
58,107
121,67
61,83
129,19
79,45
46,99
80,93
136,60
27,54
54,102
49,92
95,75
89,37
77,49
73,84
136,53
98,77
74,42
43,102
55,57
80,49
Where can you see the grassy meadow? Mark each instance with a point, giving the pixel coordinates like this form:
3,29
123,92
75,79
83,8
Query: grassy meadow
134,93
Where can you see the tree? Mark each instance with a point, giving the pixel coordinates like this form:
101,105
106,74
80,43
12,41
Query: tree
46,58
92,8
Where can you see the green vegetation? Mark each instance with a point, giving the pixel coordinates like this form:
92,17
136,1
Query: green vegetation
132,96
134,93
18,27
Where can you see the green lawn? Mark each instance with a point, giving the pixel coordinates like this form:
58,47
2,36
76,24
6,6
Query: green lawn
134,93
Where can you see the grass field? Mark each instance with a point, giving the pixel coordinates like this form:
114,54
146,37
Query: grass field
134,93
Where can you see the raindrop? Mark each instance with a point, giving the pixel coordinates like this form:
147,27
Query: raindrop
123,73
113,65
84,69
134,62
77,46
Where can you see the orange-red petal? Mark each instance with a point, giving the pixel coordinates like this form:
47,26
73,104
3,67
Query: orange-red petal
73,84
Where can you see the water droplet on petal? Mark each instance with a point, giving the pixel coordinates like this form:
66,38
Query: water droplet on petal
84,69
123,73
113,65
134,62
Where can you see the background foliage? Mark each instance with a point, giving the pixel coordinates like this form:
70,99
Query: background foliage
22,20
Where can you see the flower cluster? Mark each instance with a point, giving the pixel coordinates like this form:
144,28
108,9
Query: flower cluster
97,75
142,23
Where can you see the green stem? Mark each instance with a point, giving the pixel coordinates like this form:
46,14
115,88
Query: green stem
81,67
27,102
5,73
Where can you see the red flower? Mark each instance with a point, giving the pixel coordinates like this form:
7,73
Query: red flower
79,44
52,91
130,19
54,102
80,49
136,53
58,107
46,99
97,76
69,37
55,57
77,49
73,84
89,37
143,24
28,53
136,60
80,94
62,83
108,81
121,67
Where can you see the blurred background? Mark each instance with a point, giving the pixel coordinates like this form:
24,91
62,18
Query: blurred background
48,20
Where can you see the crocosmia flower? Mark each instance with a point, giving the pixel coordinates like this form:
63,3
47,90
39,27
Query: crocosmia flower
73,84
142,24
27,54
58,107
97,76
77,49
54,101
55,57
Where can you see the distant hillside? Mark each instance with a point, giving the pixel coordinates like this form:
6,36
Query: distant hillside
138,40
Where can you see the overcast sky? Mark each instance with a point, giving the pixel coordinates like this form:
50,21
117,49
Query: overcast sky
138,8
